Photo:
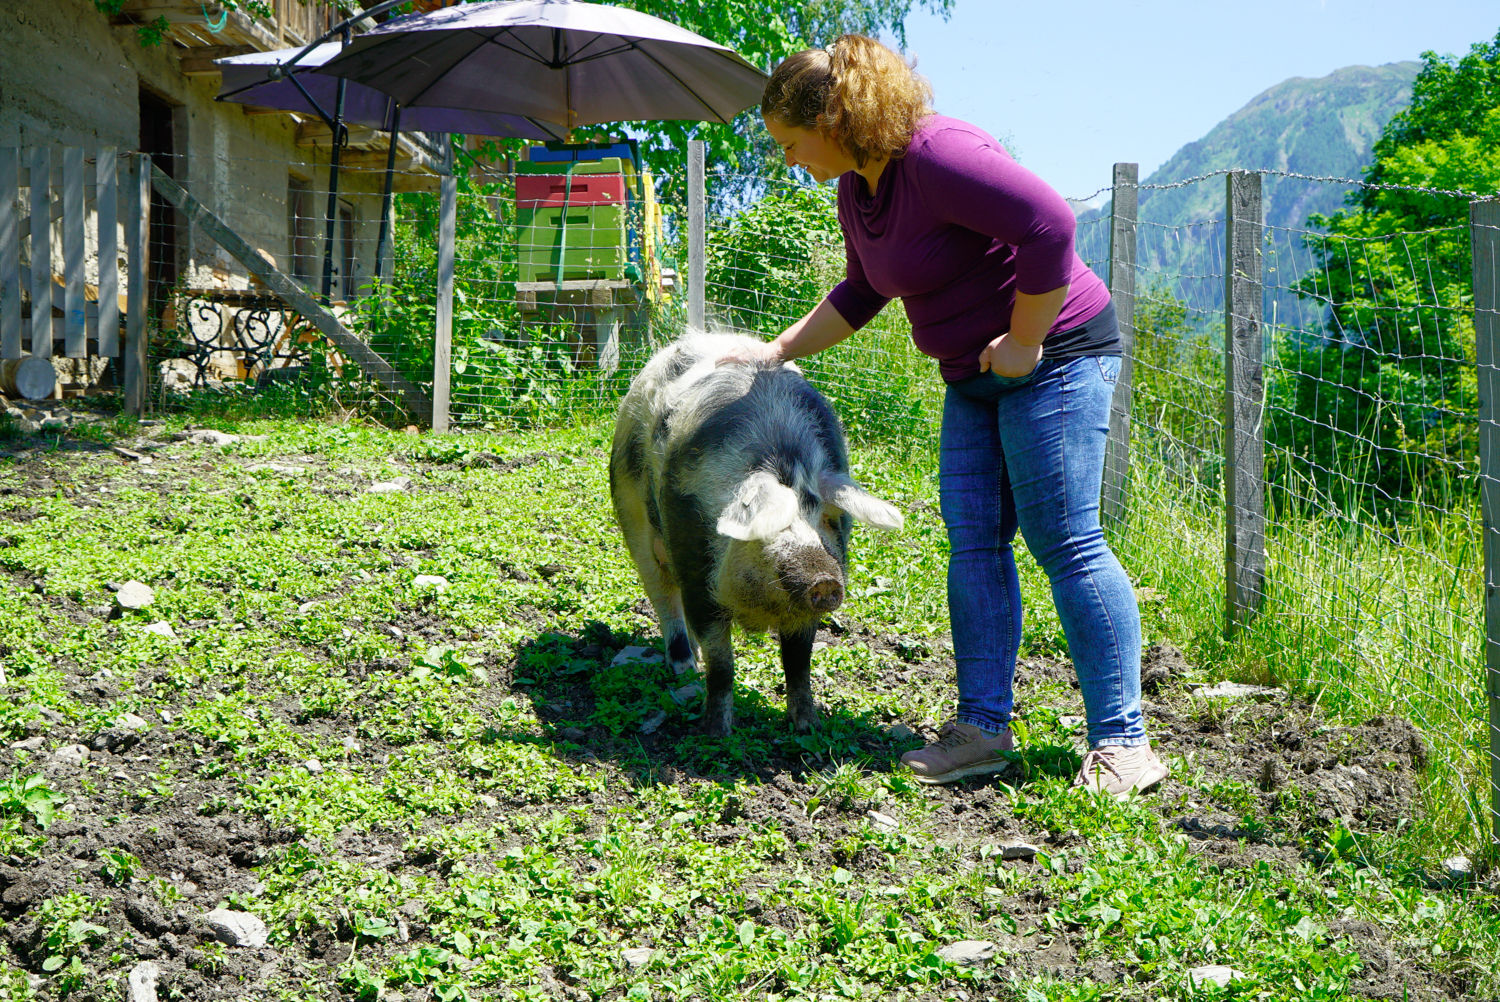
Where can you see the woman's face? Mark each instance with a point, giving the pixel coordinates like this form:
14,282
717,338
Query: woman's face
811,150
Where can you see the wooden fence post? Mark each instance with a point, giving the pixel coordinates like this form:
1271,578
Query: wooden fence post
41,252
1244,405
107,213
1124,203
10,253
697,256
75,326
138,255
442,355
1484,227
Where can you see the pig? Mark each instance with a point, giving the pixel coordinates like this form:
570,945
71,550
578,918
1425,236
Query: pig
730,482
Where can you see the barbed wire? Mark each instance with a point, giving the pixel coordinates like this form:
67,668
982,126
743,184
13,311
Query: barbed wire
1271,172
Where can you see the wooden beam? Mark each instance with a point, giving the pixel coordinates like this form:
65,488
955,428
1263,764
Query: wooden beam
377,368
200,62
317,133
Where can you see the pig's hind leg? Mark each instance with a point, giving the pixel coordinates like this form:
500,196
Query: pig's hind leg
650,557
796,664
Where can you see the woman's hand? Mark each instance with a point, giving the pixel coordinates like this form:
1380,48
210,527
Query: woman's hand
1008,356
750,353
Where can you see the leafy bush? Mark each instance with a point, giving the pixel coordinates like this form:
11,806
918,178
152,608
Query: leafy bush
774,260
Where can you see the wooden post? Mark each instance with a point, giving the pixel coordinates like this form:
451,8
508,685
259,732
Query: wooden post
1244,405
1484,228
10,253
41,252
697,250
75,330
138,251
1124,202
107,209
442,354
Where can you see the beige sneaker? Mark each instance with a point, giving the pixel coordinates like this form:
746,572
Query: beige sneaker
961,750
1118,769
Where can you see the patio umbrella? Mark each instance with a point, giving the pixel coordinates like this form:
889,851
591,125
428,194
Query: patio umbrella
560,61
281,79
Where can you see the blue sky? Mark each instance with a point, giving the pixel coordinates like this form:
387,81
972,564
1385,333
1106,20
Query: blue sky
1072,86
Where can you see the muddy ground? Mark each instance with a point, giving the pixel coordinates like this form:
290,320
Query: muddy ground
1366,775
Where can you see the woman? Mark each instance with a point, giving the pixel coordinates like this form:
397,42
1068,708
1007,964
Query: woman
980,250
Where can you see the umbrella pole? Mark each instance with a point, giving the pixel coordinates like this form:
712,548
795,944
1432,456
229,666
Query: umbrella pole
333,183
385,201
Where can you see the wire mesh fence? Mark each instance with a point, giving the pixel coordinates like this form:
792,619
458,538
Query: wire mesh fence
1370,414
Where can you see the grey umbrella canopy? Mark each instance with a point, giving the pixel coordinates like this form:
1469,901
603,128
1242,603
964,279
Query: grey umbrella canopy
559,61
247,79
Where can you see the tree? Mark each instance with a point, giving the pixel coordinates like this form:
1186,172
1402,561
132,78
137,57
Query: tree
1382,408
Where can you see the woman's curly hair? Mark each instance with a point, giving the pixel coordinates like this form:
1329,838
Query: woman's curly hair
856,90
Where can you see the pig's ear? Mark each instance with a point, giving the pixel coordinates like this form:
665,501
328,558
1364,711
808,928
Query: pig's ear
762,507
840,490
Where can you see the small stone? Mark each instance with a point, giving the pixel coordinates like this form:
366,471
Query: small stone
351,746
549,571
434,581
134,595
900,732
237,928
141,982
651,723
130,721
638,956
1458,868
70,755
1216,973
884,822
1017,850
489,801
131,454
635,654
29,744
395,632
577,735
207,436
689,693
313,766
307,607
1069,722
1235,690
389,487
968,951
162,629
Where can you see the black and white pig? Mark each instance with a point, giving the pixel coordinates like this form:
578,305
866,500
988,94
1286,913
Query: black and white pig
731,484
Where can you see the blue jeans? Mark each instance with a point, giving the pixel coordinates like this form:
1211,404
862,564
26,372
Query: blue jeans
1028,453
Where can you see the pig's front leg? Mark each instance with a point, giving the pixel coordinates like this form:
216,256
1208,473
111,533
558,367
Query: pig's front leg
718,656
796,663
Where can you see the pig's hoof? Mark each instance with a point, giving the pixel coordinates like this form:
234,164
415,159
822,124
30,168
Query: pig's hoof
804,716
718,721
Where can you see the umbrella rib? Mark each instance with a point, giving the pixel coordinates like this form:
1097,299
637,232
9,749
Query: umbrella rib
684,84
422,49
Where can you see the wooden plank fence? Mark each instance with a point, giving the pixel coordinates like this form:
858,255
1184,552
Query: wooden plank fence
57,203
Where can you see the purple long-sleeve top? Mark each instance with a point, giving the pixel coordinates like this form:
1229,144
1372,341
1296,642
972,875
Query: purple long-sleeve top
955,229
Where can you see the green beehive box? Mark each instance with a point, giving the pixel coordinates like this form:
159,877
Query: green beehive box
583,242
609,165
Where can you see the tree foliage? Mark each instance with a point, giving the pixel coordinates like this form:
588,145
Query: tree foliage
1381,408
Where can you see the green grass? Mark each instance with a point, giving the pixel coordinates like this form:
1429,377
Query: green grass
521,861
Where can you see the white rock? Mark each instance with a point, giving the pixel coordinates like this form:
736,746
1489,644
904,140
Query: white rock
134,595
436,581
282,468
162,629
209,436
313,766
635,654
1235,690
638,956
141,982
29,744
1067,721
489,801
307,607
1216,973
1017,850
651,723
968,951
882,821
385,488
687,694
131,722
1457,867
71,755
351,746
237,928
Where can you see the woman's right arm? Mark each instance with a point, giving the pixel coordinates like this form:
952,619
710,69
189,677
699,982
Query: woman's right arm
821,327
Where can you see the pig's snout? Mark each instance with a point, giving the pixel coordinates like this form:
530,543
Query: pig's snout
826,593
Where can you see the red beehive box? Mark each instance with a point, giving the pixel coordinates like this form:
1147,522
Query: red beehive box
539,191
